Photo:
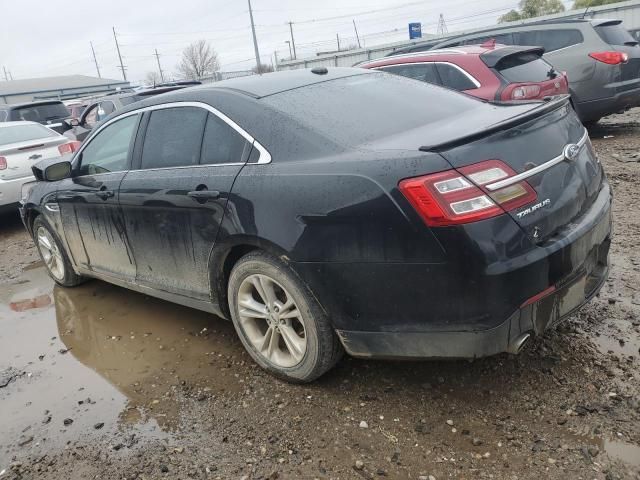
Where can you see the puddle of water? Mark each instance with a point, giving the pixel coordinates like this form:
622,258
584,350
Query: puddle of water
615,449
130,354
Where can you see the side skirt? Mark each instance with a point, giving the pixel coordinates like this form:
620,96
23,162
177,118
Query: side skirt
152,292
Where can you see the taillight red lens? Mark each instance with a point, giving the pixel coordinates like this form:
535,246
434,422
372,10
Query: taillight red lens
610,58
524,92
3,163
69,147
459,196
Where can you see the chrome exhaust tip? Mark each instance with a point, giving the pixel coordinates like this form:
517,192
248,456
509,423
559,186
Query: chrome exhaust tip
518,344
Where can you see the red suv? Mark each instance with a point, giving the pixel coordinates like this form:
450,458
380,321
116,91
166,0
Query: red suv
488,71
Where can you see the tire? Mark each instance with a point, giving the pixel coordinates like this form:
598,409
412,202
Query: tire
55,258
591,123
290,337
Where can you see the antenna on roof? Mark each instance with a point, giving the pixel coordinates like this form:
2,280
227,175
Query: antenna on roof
585,11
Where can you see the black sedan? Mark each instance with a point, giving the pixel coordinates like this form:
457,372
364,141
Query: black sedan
341,210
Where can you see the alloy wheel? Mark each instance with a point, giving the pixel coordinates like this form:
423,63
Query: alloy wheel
50,253
272,321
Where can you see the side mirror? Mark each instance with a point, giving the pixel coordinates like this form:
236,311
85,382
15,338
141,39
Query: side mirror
74,122
57,171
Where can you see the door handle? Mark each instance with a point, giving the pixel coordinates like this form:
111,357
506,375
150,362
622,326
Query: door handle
204,194
105,194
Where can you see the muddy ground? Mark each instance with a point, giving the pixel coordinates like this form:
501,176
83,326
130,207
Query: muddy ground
101,382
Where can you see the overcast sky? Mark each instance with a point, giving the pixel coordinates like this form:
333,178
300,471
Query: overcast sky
46,38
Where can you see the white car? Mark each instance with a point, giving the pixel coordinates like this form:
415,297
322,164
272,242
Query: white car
23,144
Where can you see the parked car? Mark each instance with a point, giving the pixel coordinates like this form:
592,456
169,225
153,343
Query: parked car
51,113
488,71
601,58
100,108
323,210
22,144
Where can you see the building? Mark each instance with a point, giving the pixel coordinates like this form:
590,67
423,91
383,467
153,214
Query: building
57,88
628,12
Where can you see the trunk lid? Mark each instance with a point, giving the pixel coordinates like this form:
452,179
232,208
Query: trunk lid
566,186
20,157
620,40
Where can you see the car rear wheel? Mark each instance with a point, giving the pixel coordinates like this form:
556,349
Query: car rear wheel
278,321
53,255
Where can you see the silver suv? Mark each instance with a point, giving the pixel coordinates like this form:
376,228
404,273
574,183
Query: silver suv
601,58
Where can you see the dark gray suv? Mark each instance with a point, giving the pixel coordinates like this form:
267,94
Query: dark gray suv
601,58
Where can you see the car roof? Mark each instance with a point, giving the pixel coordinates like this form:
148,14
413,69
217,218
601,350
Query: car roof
258,86
30,104
18,122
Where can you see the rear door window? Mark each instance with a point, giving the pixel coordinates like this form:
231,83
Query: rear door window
454,77
525,67
549,39
615,35
105,109
221,143
425,72
173,137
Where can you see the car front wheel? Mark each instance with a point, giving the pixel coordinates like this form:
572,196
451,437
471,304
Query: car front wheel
278,321
53,255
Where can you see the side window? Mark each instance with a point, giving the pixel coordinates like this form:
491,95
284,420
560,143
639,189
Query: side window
108,151
173,137
105,109
502,38
221,143
425,72
550,39
454,78
91,117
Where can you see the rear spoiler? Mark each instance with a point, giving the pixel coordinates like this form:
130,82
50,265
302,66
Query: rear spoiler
554,103
493,57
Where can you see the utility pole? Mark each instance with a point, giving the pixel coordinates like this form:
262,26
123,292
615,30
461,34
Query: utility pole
6,78
255,40
442,26
293,42
288,42
95,59
338,39
10,75
157,55
356,29
124,74
275,56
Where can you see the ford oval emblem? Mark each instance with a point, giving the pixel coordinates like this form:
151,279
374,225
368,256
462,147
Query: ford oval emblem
571,151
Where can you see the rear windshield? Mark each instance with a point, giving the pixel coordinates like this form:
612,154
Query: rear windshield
40,113
525,67
24,133
615,35
356,110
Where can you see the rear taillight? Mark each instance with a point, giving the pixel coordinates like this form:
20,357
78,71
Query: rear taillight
460,196
3,163
70,147
524,92
610,58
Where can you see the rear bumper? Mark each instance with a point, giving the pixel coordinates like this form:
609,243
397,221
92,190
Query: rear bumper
595,109
11,191
510,336
583,259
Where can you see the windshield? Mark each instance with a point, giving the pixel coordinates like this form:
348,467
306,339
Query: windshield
24,133
40,113
616,35
356,110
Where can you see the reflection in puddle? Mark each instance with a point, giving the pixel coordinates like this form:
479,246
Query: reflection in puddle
620,341
617,450
147,350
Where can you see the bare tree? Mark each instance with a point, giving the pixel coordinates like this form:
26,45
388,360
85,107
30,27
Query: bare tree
263,68
198,60
152,78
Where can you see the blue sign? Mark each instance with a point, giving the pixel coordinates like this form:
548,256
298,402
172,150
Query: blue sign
415,30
